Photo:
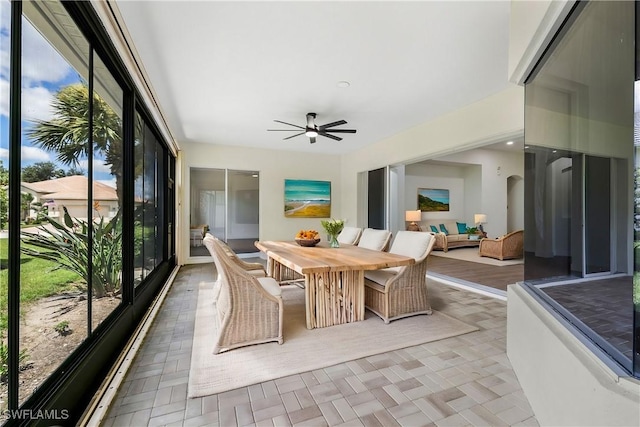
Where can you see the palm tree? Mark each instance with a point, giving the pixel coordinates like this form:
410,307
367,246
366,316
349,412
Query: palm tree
67,133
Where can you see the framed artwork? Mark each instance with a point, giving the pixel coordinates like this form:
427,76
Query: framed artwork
433,200
307,199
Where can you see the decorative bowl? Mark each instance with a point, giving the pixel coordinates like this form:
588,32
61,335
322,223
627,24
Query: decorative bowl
307,242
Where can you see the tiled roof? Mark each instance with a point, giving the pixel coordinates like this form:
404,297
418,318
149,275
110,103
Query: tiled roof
71,188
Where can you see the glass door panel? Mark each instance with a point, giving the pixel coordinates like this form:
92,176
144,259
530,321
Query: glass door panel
208,213
243,210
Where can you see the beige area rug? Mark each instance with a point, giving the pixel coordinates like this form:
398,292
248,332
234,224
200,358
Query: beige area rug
471,254
303,349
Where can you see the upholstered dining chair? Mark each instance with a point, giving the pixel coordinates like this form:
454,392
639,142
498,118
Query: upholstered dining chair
377,240
350,235
248,308
397,292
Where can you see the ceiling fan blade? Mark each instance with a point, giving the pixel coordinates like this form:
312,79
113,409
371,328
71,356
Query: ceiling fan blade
328,125
341,130
312,139
293,136
290,124
282,130
330,136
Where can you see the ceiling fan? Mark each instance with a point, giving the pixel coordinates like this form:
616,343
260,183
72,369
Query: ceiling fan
312,130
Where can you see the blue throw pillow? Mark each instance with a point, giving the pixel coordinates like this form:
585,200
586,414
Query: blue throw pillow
462,227
444,229
434,228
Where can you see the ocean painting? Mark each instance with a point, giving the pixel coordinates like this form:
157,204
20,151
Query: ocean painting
307,199
433,200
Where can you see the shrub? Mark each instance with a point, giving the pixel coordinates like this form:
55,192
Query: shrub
68,245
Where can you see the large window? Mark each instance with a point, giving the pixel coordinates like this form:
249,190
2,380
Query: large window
578,176
80,174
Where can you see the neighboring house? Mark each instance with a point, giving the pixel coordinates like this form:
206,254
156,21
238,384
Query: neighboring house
71,192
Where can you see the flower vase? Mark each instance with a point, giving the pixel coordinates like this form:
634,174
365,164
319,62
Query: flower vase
333,241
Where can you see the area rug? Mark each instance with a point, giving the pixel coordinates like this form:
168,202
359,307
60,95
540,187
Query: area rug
303,349
471,254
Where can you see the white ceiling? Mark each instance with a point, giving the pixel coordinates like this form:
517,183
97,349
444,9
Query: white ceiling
223,71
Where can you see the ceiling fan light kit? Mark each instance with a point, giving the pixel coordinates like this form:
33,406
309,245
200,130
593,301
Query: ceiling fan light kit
312,130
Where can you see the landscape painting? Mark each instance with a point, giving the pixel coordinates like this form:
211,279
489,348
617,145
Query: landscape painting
433,200
307,199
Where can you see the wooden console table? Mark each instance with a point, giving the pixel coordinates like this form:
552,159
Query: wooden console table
333,277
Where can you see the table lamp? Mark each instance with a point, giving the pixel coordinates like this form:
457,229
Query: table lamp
480,219
413,216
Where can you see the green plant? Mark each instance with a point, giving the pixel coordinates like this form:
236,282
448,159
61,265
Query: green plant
333,226
68,245
62,328
4,360
471,230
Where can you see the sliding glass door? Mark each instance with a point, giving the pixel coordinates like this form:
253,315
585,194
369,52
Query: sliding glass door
226,204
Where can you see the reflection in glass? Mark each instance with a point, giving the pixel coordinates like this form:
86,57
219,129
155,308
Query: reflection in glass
5,36
53,279
578,161
107,193
208,208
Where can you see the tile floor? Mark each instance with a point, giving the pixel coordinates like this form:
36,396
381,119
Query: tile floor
464,380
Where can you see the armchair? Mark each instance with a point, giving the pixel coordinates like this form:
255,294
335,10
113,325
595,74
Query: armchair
397,292
509,246
249,309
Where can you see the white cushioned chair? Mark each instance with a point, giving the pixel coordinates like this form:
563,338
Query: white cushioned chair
350,235
377,240
248,308
397,292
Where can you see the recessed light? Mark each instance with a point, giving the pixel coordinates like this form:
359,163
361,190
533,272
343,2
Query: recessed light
343,84
554,151
526,146
255,175
510,143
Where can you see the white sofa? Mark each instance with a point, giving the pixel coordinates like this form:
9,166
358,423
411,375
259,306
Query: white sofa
452,238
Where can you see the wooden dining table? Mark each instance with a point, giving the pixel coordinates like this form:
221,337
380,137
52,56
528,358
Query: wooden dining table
333,277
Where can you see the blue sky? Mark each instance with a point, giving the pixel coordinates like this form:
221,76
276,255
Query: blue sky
44,72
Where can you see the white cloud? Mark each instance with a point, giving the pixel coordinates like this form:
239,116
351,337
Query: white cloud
98,166
41,62
36,103
34,154
4,97
4,156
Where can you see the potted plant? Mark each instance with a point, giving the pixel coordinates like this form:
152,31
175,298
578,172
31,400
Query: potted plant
472,232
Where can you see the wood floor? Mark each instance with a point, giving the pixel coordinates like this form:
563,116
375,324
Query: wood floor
497,277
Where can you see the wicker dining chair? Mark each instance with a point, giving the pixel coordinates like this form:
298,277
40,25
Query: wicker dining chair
350,235
254,268
397,292
377,240
249,309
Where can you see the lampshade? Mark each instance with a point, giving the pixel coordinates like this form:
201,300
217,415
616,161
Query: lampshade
413,216
480,218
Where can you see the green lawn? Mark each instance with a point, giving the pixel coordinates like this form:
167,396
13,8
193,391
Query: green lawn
37,279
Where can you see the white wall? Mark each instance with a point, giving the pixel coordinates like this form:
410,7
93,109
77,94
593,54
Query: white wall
482,185
436,176
274,167
565,383
494,118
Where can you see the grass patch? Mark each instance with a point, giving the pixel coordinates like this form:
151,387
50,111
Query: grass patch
38,279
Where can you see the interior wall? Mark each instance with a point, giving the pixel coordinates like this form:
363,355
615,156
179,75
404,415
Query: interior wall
497,117
274,167
437,177
489,191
